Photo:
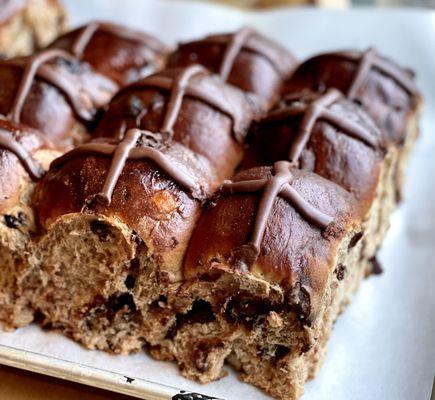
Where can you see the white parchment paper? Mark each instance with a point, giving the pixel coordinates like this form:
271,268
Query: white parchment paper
383,346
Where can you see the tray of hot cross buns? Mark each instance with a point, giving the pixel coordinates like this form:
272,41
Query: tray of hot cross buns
201,202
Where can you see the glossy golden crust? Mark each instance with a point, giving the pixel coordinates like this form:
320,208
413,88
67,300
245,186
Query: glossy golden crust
201,127
292,252
259,68
385,100
12,172
149,203
330,152
46,107
122,54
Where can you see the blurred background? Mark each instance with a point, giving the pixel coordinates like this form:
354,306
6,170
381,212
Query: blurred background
325,3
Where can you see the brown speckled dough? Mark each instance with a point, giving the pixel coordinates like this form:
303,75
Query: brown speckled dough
26,25
142,235
265,321
17,220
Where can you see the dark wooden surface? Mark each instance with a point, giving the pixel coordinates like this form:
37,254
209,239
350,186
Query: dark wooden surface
16,384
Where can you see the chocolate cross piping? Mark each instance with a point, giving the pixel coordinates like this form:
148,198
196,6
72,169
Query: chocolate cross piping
82,40
176,98
240,41
279,185
32,68
32,167
120,153
233,49
180,87
86,34
370,59
318,109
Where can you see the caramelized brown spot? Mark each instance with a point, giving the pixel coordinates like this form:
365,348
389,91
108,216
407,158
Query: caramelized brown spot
355,239
376,266
201,353
201,312
159,303
15,222
281,351
341,272
246,311
118,302
300,301
102,230
165,202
